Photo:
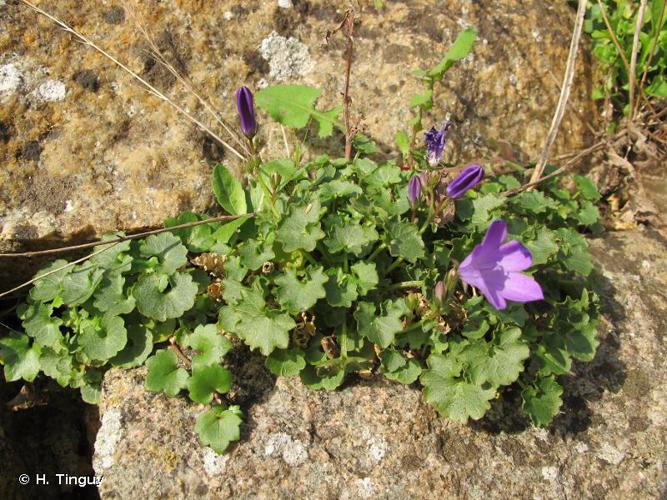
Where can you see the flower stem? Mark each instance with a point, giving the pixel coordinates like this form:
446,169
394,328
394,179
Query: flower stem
375,253
405,284
396,263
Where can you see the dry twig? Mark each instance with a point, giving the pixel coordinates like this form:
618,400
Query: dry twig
150,88
565,93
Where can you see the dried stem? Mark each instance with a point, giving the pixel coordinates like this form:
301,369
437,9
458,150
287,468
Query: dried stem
120,239
633,59
347,27
64,266
150,88
189,86
564,94
570,163
179,352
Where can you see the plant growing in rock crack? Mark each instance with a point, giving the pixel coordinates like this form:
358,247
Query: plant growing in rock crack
333,268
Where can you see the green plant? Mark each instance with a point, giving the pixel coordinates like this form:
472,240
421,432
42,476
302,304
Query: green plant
332,268
652,48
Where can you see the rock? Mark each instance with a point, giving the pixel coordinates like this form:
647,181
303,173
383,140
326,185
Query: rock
376,439
113,157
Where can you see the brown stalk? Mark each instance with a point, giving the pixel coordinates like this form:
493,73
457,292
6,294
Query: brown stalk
347,27
120,239
564,94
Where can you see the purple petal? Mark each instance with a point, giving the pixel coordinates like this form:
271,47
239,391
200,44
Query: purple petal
515,256
414,189
246,110
494,297
521,288
496,234
467,179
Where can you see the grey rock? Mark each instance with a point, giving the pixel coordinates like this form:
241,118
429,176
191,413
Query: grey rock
376,439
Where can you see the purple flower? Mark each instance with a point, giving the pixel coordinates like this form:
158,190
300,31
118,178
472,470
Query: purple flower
495,269
468,178
414,189
435,143
246,109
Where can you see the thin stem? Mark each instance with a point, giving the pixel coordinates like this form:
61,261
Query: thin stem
613,36
633,59
375,253
405,284
150,88
651,54
120,239
565,92
396,263
282,129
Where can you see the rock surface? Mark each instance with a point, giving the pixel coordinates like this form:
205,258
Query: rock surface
85,150
375,439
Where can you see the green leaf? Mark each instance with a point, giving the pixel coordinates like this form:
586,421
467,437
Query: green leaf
586,188
156,302
341,289
294,106
286,362
80,284
115,258
168,249
255,253
542,401
582,343
501,363
209,344
110,298
552,356
296,295
49,287
365,276
543,246
380,329
301,229
56,364
483,206
318,379
137,349
206,381
403,143
534,202
407,374
455,398
349,236
405,241
218,427
39,324
424,100
260,328
588,214
100,340
164,374
228,191
460,49
91,387
21,360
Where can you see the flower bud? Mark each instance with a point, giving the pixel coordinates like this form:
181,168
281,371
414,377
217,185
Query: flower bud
468,178
439,291
414,189
246,109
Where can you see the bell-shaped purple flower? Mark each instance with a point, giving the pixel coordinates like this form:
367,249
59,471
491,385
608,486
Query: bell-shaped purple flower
435,143
414,189
246,109
495,269
468,178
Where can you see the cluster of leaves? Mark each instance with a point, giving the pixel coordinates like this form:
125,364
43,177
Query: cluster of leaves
622,16
328,272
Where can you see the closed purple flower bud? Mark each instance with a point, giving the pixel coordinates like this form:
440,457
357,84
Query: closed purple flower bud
439,291
435,143
414,189
246,109
468,178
